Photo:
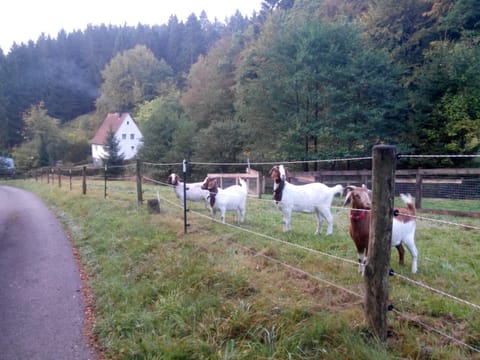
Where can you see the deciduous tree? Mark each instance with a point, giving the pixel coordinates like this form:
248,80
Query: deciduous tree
130,78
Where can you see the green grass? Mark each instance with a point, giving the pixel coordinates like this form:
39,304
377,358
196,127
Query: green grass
219,292
455,205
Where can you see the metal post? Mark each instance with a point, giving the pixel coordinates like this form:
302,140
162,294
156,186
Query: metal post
378,264
185,224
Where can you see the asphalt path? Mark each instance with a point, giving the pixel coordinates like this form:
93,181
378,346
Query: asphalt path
41,305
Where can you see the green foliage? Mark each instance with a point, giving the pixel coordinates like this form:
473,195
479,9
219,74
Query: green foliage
318,80
44,143
400,27
208,96
446,101
222,141
167,131
131,78
303,79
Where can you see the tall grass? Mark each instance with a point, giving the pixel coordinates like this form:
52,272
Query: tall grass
219,292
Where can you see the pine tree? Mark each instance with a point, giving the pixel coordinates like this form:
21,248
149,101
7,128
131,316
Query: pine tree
114,159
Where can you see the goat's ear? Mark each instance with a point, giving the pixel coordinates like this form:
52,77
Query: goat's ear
348,197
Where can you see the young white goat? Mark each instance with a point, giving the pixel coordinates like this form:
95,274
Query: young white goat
309,198
232,198
193,191
403,228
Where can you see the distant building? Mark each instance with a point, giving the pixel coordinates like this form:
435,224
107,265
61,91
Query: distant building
129,137
7,166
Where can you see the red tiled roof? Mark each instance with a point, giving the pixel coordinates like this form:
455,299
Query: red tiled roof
112,122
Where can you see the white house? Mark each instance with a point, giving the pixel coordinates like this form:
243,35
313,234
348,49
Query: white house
127,133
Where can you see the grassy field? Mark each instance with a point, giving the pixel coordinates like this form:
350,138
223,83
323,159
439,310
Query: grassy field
254,292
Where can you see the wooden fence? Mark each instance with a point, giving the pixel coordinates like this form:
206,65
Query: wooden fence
421,183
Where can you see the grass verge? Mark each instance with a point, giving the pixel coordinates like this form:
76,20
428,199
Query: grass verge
219,292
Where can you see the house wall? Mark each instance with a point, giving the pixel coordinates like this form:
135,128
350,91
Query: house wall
129,138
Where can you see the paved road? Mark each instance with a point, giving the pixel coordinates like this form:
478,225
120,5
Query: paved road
41,306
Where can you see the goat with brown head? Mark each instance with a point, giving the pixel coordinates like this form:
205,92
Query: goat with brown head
403,230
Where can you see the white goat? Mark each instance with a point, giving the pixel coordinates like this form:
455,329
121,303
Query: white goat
193,191
310,198
403,228
233,198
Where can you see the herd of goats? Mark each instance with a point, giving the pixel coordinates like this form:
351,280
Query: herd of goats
309,198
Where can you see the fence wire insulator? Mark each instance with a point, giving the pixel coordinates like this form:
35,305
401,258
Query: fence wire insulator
396,212
391,272
390,307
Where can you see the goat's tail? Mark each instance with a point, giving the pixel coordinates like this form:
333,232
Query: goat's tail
409,201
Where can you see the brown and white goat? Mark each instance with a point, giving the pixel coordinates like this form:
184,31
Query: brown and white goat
232,198
403,228
193,191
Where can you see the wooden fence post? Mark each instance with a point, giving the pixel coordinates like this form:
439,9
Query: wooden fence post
105,182
84,180
59,172
139,182
379,249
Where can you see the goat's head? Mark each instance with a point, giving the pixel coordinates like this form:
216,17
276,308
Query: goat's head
173,179
275,174
210,184
359,196
278,176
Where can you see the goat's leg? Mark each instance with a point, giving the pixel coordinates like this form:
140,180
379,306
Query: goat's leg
327,215
242,216
401,254
287,215
362,260
319,223
222,215
410,243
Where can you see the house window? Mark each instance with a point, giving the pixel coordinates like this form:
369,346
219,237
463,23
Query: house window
124,136
132,136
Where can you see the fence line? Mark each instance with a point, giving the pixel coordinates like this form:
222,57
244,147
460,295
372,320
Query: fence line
433,329
440,292
330,283
438,156
417,283
334,257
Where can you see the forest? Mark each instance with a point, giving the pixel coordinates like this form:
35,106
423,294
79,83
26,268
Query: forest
300,80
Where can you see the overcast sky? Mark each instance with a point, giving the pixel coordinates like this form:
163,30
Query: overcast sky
24,20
